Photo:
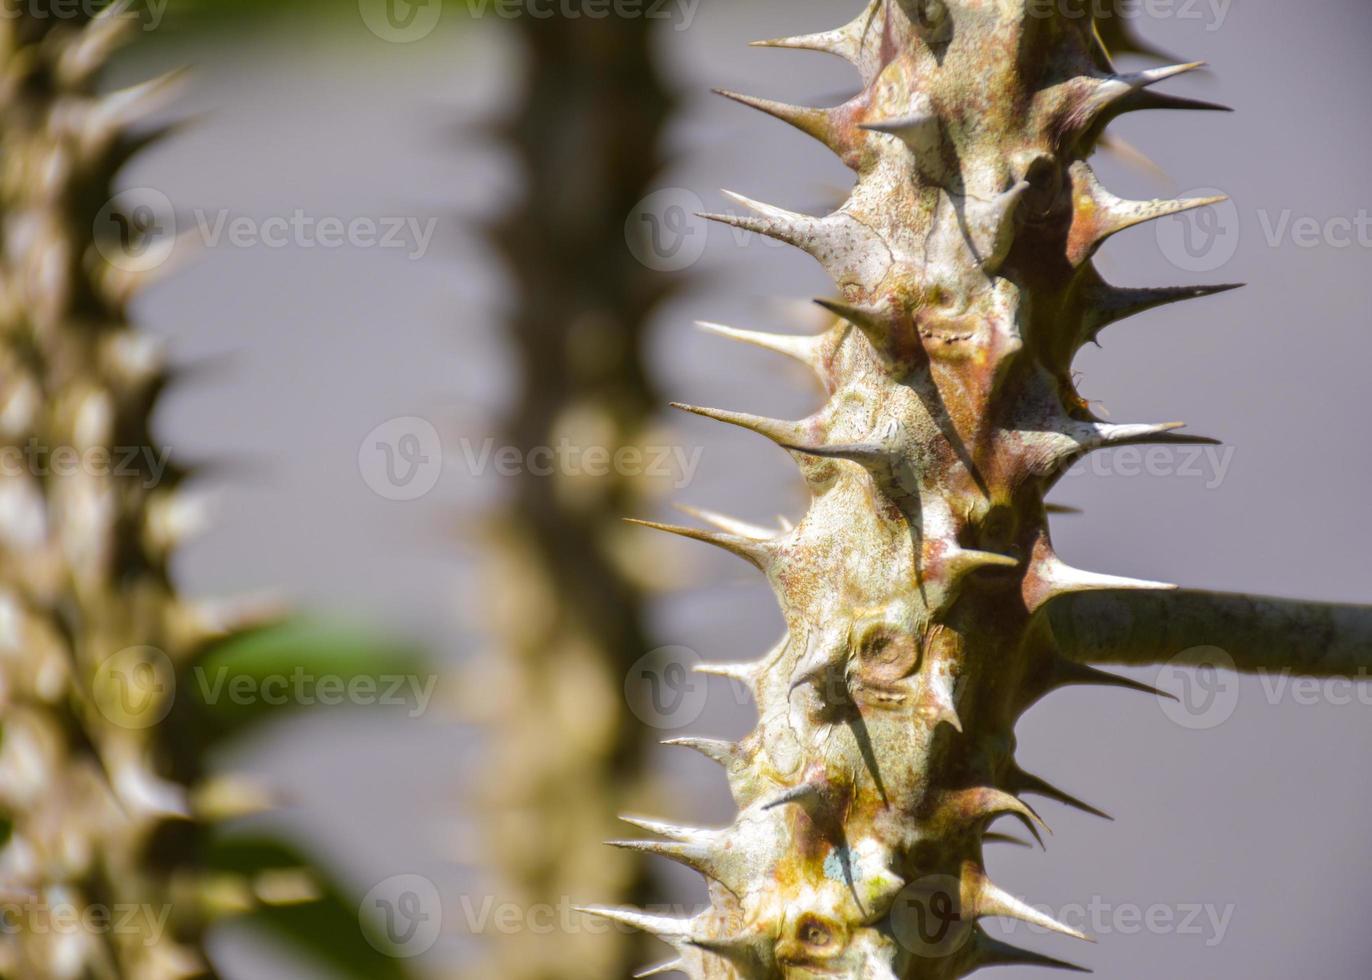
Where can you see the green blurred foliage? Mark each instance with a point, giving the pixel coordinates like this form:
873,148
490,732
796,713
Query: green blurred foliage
207,716
326,930
256,659
197,16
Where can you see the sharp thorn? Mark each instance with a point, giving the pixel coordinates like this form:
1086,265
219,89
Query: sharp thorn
726,523
717,750
994,952
782,432
803,349
754,552
658,925
817,123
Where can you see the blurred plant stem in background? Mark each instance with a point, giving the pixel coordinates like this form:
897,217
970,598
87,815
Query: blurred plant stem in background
566,755
116,855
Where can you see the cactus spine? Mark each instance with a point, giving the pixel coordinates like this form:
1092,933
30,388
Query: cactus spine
569,609
926,608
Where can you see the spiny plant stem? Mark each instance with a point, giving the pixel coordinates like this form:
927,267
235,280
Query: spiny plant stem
925,605
569,610
109,811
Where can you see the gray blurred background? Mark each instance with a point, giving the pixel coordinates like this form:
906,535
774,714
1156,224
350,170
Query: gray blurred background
1256,820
